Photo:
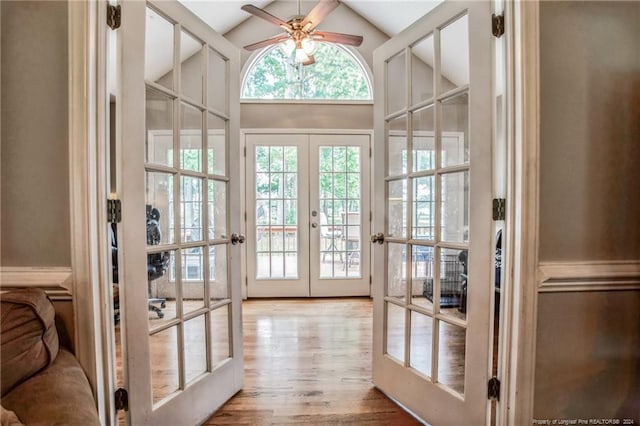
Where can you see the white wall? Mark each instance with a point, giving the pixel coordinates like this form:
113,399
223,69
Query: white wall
588,342
35,229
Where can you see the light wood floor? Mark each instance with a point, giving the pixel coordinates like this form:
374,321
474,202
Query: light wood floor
309,362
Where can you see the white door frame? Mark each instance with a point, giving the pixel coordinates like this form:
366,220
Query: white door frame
87,142
243,170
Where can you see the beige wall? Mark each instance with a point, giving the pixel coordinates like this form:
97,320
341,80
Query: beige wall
588,343
34,158
590,130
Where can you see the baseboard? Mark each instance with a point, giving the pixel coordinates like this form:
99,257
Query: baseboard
588,276
55,281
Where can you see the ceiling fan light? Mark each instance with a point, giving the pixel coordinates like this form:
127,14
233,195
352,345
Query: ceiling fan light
287,47
301,56
309,45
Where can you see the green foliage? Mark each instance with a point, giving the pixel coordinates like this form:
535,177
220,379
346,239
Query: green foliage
334,76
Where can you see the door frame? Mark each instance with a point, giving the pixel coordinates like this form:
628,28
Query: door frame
243,172
88,140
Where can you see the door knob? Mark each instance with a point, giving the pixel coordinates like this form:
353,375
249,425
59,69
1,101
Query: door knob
377,238
237,239
314,225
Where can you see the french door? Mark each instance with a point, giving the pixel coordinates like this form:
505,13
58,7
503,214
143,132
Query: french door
177,115
432,273
308,214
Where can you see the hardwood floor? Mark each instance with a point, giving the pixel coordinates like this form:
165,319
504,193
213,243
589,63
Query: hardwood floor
309,362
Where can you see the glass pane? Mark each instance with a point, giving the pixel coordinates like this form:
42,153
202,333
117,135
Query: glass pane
163,349
397,146
422,70
455,130
291,159
397,270
161,287
195,348
158,50
454,54
353,159
217,209
421,341
455,207
220,337
217,142
191,67
190,138
424,150
218,278
424,212
422,269
396,83
262,158
191,208
397,208
453,282
217,80
159,208
276,154
192,279
159,125
451,354
395,331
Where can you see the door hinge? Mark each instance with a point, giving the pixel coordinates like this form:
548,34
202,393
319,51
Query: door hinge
370,152
114,211
493,389
499,208
370,279
114,16
245,151
497,25
122,399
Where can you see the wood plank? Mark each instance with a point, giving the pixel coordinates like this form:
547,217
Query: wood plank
308,361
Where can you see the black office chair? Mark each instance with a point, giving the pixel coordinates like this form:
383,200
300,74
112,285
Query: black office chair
157,263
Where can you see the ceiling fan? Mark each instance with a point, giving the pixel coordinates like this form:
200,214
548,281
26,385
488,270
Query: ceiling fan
301,34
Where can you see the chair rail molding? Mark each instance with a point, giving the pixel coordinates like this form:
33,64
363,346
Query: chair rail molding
55,281
588,276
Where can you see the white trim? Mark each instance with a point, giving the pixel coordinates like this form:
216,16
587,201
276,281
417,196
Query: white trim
84,204
55,281
522,233
588,276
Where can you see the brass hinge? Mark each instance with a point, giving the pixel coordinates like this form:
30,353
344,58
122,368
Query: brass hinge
499,205
114,211
121,399
493,389
114,16
497,25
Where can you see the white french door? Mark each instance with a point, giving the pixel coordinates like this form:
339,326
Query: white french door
307,214
177,118
432,275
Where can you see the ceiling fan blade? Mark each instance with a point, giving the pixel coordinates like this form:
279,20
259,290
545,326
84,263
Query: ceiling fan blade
261,13
267,42
318,13
309,61
349,39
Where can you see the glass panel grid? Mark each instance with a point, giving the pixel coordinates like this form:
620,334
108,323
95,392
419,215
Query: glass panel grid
276,179
437,189
191,277
340,199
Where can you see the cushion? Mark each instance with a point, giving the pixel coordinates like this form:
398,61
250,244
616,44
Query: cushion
9,418
28,336
60,395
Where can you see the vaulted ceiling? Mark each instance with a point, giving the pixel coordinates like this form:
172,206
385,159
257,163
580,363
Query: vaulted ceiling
389,16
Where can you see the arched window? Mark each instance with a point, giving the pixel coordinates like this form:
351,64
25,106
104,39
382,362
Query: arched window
335,75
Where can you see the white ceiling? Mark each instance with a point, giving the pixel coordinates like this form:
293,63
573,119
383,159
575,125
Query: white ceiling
390,16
